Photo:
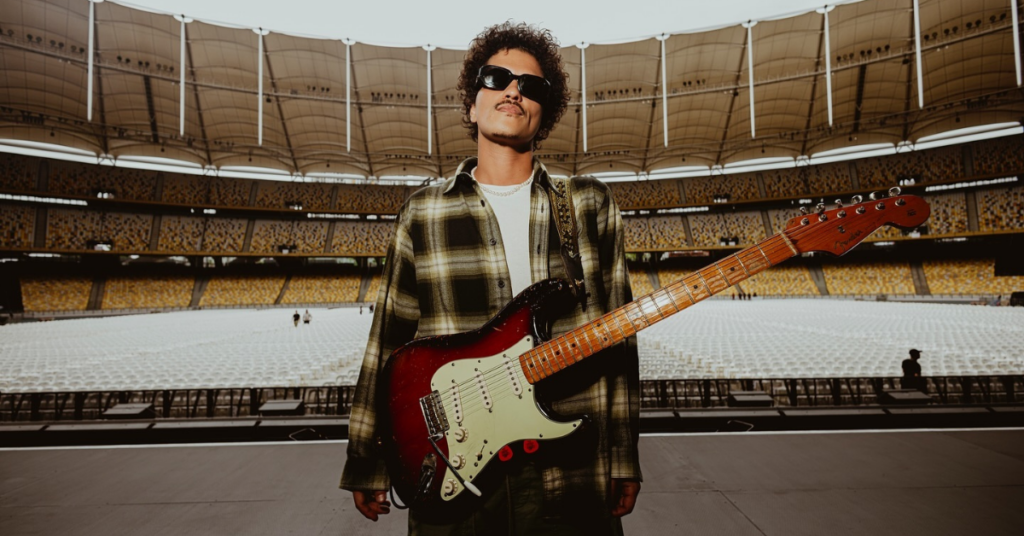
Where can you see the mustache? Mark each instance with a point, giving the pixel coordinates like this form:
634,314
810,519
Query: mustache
500,104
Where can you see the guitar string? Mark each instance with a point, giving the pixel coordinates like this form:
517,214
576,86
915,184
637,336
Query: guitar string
796,233
475,395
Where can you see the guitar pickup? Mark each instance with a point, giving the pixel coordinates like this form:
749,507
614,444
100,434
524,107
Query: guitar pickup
434,415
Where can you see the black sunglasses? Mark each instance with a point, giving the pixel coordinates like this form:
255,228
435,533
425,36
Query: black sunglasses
531,86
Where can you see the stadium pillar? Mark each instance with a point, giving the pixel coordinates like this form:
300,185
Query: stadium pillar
750,71
828,62
583,89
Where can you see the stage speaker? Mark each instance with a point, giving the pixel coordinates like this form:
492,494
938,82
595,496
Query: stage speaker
750,399
283,408
130,411
902,397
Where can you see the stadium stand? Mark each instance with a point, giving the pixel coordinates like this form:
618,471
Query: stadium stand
17,226
186,189
73,229
372,289
638,234
869,279
181,233
667,232
323,289
785,182
73,178
147,292
241,291
779,218
309,236
824,178
647,193
924,166
705,189
230,192
781,281
224,235
639,282
969,277
277,194
18,172
708,229
999,155
370,198
55,294
1001,209
885,232
363,238
949,214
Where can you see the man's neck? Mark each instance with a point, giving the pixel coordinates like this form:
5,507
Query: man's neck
501,165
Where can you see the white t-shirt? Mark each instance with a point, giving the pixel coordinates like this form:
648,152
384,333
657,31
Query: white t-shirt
513,213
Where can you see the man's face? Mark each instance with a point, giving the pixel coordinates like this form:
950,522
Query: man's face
504,116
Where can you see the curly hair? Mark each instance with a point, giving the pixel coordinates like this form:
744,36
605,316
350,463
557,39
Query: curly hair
534,41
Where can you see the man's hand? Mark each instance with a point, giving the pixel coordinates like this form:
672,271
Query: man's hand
372,503
623,496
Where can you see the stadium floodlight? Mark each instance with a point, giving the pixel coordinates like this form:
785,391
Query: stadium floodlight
259,96
1015,17
750,71
917,53
583,82
181,67
91,58
664,90
430,97
828,61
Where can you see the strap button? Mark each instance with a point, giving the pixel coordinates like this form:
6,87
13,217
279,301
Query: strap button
493,242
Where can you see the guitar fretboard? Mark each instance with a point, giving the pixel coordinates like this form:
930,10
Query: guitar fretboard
624,322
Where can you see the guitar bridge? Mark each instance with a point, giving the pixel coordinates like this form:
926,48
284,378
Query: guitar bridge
433,415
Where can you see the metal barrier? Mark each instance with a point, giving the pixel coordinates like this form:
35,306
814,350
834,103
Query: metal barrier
654,394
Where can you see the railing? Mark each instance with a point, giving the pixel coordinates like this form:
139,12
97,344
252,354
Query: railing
654,394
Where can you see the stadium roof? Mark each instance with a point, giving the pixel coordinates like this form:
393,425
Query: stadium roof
968,67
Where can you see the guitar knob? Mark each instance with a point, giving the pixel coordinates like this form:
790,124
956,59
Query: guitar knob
449,487
458,461
894,191
461,435
857,199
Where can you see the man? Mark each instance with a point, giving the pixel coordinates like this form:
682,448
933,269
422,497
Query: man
462,249
912,372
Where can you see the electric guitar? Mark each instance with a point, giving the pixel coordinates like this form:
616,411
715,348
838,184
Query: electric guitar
450,403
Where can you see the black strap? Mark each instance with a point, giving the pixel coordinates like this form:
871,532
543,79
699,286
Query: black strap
564,213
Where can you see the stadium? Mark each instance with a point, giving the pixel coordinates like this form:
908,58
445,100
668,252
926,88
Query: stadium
174,189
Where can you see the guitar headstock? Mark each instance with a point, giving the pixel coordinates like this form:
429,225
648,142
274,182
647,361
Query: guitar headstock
838,230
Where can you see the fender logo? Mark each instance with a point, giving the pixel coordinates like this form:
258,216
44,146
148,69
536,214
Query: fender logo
840,245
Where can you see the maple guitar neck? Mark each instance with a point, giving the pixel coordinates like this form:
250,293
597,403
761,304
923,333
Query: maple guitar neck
833,231
618,325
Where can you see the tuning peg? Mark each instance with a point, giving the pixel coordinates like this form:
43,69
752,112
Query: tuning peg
894,191
803,210
874,196
839,203
820,208
857,199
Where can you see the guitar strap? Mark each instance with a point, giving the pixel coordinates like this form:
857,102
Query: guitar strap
564,213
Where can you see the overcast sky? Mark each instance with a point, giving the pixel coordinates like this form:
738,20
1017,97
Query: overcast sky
452,24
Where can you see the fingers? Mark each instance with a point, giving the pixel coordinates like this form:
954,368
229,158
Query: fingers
624,493
371,504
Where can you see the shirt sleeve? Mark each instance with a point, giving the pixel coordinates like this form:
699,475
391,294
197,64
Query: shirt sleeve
395,322
624,382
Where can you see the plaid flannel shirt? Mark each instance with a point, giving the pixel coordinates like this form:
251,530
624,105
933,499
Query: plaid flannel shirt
446,273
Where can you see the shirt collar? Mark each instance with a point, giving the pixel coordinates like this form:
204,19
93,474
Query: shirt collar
462,176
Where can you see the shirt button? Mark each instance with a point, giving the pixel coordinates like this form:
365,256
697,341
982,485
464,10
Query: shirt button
493,242
501,284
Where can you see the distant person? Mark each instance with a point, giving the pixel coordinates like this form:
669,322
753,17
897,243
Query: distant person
912,372
296,317
360,309
307,317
